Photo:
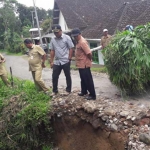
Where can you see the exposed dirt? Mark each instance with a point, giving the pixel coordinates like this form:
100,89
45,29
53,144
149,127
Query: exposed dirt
71,133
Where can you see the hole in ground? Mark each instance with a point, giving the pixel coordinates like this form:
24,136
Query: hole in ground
72,133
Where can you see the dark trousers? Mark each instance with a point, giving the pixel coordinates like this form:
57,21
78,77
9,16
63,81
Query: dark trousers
56,72
87,83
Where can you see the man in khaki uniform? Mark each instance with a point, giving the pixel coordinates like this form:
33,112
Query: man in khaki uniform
36,61
3,72
105,39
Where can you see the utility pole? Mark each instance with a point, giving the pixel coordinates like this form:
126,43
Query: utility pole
32,19
37,20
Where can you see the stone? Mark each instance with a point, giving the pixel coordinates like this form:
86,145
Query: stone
104,118
142,146
89,107
115,119
124,113
125,123
96,123
128,117
100,115
141,114
145,138
113,127
110,121
144,121
135,137
109,112
133,118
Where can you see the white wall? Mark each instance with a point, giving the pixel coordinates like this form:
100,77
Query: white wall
62,22
100,55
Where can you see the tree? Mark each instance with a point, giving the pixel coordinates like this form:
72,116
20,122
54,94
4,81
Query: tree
8,19
46,24
25,14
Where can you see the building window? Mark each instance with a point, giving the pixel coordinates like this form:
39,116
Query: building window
95,53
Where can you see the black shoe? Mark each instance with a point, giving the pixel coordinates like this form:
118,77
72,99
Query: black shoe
91,98
81,94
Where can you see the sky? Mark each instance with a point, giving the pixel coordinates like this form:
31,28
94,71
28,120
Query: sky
46,4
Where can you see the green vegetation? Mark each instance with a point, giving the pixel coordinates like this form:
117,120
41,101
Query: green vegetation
24,119
16,20
127,60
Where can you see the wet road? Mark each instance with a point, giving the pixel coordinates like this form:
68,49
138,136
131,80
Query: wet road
20,69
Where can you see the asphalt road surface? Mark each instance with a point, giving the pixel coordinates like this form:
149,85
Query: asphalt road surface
20,69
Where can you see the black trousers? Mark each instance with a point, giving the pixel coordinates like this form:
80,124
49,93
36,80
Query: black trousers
56,72
87,83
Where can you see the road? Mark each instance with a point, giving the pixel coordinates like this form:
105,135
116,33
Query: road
20,69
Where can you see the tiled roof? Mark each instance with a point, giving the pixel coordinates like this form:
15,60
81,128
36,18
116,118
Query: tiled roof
91,16
135,14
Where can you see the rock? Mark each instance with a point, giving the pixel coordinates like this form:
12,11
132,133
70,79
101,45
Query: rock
144,121
104,118
145,138
141,114
135,137
96,123
109,112
130,143
124,113
100,115
115,119
133,118
129,117
142,146
125,123
110,121
113,127
89,107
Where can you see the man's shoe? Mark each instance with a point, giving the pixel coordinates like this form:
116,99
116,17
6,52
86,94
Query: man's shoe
91,98
81,94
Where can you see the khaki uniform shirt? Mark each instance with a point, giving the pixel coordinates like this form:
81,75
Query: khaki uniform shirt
35,61
105,40
82,49
2,68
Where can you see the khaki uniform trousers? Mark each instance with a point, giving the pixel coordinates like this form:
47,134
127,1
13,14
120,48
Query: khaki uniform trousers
5,79
37,76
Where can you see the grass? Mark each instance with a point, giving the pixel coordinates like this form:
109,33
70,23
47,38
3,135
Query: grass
14,54
11,53
24,113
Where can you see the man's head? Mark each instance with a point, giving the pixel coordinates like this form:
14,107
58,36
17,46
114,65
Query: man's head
105,32
28,43
57,30
76,33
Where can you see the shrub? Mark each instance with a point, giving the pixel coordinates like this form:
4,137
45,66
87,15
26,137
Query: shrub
127,60
25,123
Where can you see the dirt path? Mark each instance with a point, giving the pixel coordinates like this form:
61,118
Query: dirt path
19,66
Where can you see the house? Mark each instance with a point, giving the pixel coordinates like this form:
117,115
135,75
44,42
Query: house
92,16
